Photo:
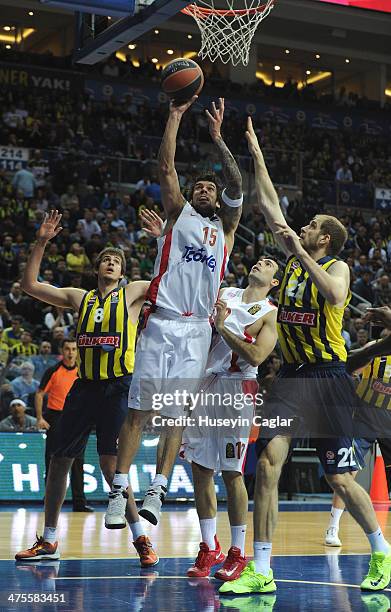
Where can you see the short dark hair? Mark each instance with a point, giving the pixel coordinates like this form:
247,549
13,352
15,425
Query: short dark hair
337,232
111,251
67,340
211,177
17,319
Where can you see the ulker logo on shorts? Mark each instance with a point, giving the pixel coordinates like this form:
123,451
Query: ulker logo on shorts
230,451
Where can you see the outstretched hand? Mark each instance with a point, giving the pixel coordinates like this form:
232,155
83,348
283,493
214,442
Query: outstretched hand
151,222
252,139
50,226
179,109
378,316
290,240
215,119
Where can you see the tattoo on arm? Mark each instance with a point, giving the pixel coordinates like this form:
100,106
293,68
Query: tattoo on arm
232,176
230,217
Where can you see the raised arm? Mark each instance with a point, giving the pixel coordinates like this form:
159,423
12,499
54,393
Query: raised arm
232,198
135,298
266,194
172,198
67,297
255,353
359,358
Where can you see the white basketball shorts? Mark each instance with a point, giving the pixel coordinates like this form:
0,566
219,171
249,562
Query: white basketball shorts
217,437
170,361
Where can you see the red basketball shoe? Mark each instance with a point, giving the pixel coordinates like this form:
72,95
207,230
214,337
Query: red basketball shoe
39,550
147,555
206,559
233,565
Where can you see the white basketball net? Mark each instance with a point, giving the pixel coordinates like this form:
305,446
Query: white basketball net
226,34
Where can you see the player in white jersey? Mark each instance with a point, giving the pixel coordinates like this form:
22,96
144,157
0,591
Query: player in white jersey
173,347
217,437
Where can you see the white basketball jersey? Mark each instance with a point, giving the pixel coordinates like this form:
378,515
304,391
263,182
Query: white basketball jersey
190,265
222,360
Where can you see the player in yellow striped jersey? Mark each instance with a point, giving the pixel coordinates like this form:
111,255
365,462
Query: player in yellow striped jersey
106,335
374,388
374,412
313,389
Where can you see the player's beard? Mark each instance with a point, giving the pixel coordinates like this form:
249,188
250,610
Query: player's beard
206,209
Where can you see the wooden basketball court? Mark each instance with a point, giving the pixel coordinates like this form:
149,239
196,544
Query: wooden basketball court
100,568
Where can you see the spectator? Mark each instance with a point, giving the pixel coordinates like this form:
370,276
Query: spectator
235,261
69,199
13,335
126,209
26,347
8,258
25,181
5,318
249,259
89,225
62,277
229,280
25,384
63,318
284,202
18,419
15,300
77,260
362,339
363,287
4,353
382,290
44,359
344,174
153,191
40,169
241,276
58,335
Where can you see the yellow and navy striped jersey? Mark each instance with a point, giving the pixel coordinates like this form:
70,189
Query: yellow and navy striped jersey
105,336
24,350
375,384
309,327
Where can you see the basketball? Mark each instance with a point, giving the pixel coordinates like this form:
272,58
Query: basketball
182,79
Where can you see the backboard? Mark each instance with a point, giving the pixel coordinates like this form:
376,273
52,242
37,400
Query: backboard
141,16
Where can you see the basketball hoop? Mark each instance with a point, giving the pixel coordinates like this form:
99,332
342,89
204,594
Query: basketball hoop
226,34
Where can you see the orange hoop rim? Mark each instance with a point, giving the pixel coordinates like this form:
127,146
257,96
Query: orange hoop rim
192,9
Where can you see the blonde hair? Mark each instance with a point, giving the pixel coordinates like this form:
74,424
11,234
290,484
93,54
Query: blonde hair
337,232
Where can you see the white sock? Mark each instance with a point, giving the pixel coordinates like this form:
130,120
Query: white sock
159,481
262,554
335,517
137,530
50,534
378,542
208,532
120,480
238,537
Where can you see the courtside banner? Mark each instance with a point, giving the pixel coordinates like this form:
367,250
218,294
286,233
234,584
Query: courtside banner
22,466
34,77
